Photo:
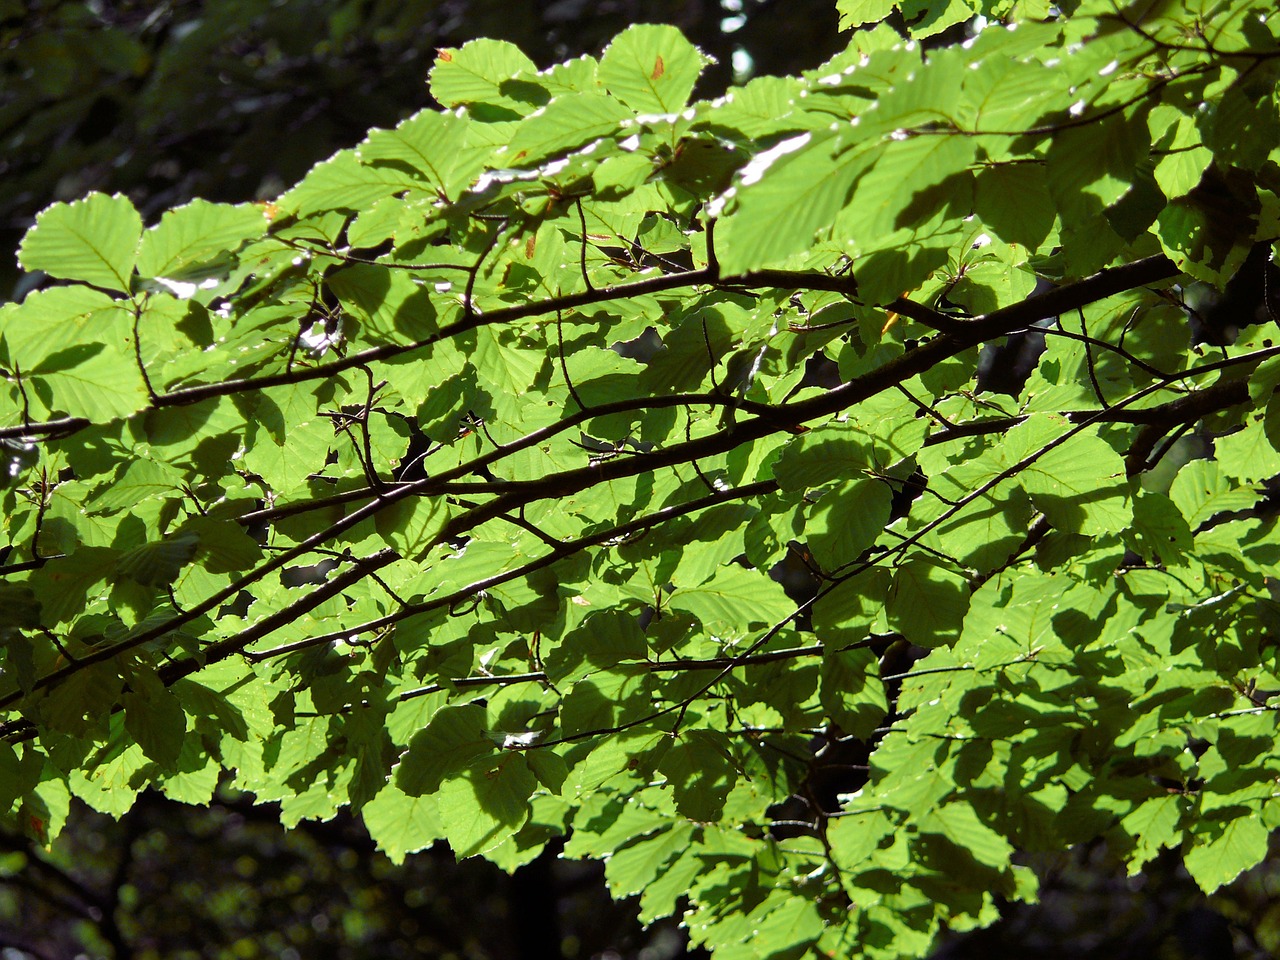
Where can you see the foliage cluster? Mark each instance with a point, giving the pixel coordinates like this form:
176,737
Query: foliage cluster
453,486
103,95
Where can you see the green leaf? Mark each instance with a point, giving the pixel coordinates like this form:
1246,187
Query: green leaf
1014,202
433,146
154,718
734,598
136,482
402,824
94,240
855,13
53,322
567,122
1080,486
17,774
224,546
1248,454
19,607
783,924
855,837
701,772
630,870
959,823
454,738
1201,491
911,180
782,199
412,525
197,240
343,183
927,602
390,304
83,702
1221,852
852,693
1154,825
1159,531
1091,167
157,564
651,68
74,349
482,74
846,521
489,803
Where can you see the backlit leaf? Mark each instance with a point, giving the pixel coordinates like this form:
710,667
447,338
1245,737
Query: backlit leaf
94,240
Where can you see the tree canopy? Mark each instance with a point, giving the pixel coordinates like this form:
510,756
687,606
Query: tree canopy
583,458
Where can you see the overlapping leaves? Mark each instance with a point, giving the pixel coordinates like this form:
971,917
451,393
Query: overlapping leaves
580,458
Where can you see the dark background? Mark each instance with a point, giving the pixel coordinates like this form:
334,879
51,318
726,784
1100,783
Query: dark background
234,100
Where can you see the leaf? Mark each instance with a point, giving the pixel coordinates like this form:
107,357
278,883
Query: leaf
651,68
83,702
831,452
76,343
1221,852
197,240
17,775
1263,381
487,805
734,598
927,602
782,199
137,482
56,320
433,146
510,371
855,13
412,525
448,744
157,564
909,183
390,304
19,607
1154,825
847,520
1080,486
482,74
566,123
855,837
882,431
633,868
343,183
701,773
1200,491
852,693
782,924
1159,530
1091,167
154,718
1248,454
959,823
224,546
94,240
400,824
1014,202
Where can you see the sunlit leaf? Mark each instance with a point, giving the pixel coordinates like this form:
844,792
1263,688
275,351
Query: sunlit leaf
94,240
651,68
